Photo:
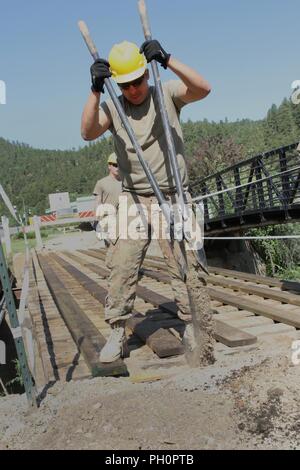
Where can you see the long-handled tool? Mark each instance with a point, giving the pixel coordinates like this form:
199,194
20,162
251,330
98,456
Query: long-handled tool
165,208
199,304
183,205
203,331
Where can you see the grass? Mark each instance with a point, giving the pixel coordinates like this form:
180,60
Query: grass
18,379
18,245
290,274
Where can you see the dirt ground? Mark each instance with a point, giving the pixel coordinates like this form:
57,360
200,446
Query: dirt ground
248,399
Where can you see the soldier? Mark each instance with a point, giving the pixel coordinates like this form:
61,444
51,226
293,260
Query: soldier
128,67
107,191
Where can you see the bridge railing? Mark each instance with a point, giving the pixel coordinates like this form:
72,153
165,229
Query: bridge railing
266,181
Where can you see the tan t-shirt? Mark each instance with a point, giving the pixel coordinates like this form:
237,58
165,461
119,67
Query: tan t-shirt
146,123
108,190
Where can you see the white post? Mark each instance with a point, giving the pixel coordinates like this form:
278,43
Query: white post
38,238
5,224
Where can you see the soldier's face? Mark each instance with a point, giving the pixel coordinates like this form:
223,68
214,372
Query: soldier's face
113,169
136,91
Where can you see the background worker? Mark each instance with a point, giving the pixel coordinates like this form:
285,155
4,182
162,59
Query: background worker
107,191
127,66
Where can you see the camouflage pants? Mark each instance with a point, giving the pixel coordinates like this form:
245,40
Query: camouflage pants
127,257
109,253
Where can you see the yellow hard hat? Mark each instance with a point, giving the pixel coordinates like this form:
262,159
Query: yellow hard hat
126,62
112,158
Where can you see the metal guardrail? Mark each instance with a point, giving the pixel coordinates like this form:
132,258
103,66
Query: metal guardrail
261,188
67,221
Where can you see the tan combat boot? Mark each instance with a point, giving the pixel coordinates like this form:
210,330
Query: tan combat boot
114,346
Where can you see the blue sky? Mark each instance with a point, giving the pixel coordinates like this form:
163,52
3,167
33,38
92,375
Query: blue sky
248,51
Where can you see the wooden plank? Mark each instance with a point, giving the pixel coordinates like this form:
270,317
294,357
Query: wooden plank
233,315
278,295
97,291
102,272
85,334
226,309
247,322
93,253
159,276
226,334
259,308
290,285
260,291
48,373
269,281
158,263
147,261
274,329
47,321
163,342
245,276
232,336
215,303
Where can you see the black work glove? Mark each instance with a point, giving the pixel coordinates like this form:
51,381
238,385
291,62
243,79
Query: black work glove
99,71
153,50
87,226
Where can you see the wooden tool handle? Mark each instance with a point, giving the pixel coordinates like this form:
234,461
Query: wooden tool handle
144,19
88,40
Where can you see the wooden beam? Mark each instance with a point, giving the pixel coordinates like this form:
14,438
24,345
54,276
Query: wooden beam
85,334
259,308
268,281
265,292
161,341
228,335
148,262
224,333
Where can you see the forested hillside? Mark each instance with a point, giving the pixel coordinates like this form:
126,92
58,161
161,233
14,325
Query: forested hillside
213,146
29,174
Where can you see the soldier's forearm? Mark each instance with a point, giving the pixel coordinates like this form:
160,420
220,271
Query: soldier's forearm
195,83
90,127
